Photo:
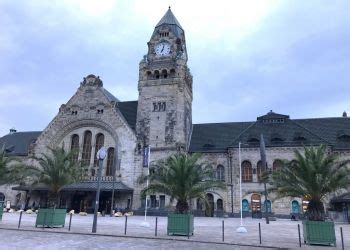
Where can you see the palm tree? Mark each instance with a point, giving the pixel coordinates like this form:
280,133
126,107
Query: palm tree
312,176
55,170
9,168
182,177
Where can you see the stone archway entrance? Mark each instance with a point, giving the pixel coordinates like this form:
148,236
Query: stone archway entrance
209,210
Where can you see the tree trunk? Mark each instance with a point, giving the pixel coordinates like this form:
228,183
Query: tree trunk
182,206
315,211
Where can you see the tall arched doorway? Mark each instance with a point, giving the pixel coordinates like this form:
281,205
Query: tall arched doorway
256,206
209,210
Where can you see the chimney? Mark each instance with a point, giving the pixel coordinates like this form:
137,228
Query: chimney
345,114
13,130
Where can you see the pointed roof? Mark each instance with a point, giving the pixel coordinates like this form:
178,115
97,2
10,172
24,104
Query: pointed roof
169,19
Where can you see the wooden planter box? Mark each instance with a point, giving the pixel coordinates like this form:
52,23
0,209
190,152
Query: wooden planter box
180,224
319,232
51,217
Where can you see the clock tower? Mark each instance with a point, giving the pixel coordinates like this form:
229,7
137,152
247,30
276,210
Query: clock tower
164,113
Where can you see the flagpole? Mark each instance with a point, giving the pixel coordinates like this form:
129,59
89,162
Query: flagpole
145,223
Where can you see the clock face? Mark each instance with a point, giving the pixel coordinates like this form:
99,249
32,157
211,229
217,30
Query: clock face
162,49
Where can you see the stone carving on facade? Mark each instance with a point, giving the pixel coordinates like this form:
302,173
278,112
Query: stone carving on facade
169,128
91,80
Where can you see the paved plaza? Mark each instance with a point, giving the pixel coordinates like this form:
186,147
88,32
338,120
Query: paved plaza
208,231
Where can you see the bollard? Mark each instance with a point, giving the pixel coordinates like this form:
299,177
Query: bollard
299,235
155,230
259,232
70,221
126,224
342,239
223,230
20,219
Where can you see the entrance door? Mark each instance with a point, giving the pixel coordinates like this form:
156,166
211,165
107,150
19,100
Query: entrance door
295,207
256,206
105,202
209,210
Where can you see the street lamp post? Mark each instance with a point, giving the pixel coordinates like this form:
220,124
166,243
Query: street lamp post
101,155
241,229
263,163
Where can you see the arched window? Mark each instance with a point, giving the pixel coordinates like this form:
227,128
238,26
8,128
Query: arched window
164,73
172,72
156,74
219,205
110,162
277,164
220,173
149,75
100,138
247,173
74,146
86,154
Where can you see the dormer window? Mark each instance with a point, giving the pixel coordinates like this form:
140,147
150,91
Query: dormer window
74,112
299,137
276,138
100,111
253,140
343,136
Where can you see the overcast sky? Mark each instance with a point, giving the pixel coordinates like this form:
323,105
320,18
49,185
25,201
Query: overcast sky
246,57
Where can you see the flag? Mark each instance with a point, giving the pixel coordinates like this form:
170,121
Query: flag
146,156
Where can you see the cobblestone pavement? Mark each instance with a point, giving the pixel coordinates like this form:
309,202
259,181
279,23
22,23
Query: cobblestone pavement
281,233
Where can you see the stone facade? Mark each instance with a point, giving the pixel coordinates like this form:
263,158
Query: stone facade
162,119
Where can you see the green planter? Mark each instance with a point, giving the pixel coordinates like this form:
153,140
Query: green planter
51,217
319,232
1,209
180,224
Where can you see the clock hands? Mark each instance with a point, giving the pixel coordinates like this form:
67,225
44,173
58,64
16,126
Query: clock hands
162,49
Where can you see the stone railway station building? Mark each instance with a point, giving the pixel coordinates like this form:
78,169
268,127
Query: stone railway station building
162,118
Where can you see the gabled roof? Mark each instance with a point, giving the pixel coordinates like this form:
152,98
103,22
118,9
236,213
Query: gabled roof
169,19
330,129
109,95
171,22
278,131
272,115
129,111
213,137
17,143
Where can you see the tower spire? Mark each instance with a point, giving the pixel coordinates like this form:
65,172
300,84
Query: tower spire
169,19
